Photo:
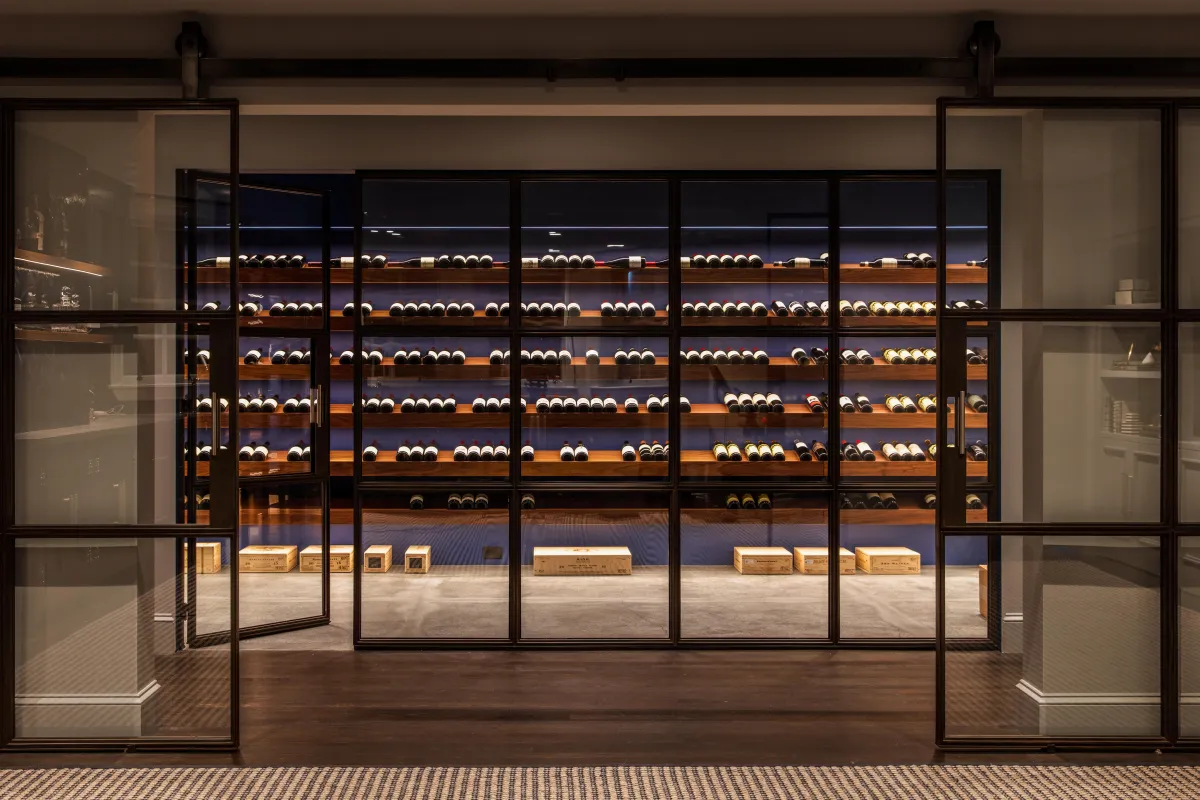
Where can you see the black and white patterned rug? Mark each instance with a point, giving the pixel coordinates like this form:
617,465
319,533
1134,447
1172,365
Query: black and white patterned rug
606,783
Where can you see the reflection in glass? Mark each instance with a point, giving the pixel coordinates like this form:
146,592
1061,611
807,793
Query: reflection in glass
96,654
1082,222
96,210
1079,642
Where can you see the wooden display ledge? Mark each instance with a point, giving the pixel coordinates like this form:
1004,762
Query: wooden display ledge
342,416
598,275
381,318
286,516
955,273
888,322
439,516
756,516
59,262
903,469
903,372
905,515
765,274
607,368
779,368
715,415
882,418
57,337
592,319
312,273
444,467
276,464
771,321
702,463
600,464
476,368
532,420
565,517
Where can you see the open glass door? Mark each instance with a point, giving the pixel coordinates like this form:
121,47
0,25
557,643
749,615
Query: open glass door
1050,491
282,438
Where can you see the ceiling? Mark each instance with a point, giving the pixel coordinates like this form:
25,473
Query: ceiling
567,8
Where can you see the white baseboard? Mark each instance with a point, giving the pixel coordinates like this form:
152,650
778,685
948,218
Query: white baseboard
137,699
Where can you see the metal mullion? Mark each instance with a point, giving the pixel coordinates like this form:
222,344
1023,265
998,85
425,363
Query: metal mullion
1171,636
940,419
356,409
515,286
833,421
674,393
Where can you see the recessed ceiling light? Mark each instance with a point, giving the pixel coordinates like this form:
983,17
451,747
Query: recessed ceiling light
614,245
555,233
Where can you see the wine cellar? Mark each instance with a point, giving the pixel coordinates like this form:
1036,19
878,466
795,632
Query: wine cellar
584,408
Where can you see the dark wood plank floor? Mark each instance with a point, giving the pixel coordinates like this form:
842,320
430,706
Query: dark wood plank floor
581,708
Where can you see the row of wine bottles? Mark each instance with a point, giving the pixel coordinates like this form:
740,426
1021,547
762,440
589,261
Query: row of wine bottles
887,500
258,261
747,501
279,357
437,308
726,261
607,309
565,261
278,309
258,403
729,451
745,402
919,260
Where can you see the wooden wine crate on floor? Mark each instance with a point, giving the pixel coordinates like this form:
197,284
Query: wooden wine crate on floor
815,560
378,558
208,558
268,558
888,560
582,561
983,590
416,559
762,560
341,558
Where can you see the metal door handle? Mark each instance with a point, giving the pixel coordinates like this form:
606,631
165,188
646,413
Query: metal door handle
960,424
315,408
216,421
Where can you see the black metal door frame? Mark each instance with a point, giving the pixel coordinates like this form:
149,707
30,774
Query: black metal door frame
951,474
221,326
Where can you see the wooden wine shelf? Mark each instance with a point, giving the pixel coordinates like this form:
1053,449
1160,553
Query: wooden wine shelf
903,372
48,261
476,368
757,322
715,415
444,467
276,464
600,464
888,322
439,516
703,464
261,324
882,418
342,416
606,369
903,469
381,318
621,419
955,273
905,515
599,275
764,516
592,319
312,273
60,337
779,368
570,517
768,275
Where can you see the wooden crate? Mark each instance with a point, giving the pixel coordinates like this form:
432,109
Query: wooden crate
815,560
582,561
341,558
208,558
268,558
416,559
888,560
983,590
378,558
762,560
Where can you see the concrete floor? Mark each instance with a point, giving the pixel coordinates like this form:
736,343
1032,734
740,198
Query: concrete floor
468,601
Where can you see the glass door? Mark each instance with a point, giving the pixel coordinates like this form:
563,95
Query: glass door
1050,410
282,437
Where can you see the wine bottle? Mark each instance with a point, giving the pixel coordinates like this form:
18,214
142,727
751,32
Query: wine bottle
777,453
886,262
804,262
876,308
735,452
846,405
977,404
915,451
845,308
890,309
873,500
973,502
848,356
566,452
932,447
850,452
654,405
863,403
977,451
889,500
926,404
929,501
889,451
819,451
774,403
905,309
865,451
527,452
720,451
751,451
800,356
909,406
732,502
581,452
894,404
797,309
685,405
527,502
803,451
370,453
861,309
815,404
628,453
973,357
864,357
